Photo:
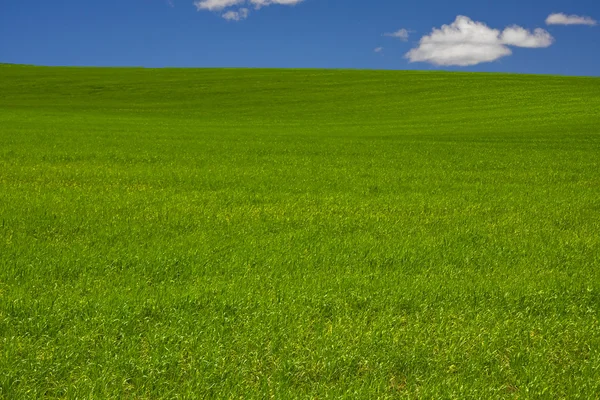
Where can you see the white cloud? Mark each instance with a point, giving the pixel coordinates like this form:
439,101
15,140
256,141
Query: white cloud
243,12
401,34
378,49
238,15
216,5
262,3
521,37
466,42
564,19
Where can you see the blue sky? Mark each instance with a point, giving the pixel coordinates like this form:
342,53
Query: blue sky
307,34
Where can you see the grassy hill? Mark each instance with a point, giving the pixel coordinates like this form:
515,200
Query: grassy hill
235,233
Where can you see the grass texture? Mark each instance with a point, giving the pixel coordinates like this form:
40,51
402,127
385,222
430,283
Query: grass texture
304,234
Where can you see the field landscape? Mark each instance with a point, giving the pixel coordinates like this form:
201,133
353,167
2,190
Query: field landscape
298,233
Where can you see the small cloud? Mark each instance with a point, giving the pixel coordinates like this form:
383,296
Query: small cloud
521,37
216,5
466,42
378,49
238,15
243,12
564,19
263,3
401,34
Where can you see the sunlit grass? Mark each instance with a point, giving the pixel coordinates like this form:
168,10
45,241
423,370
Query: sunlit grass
298,234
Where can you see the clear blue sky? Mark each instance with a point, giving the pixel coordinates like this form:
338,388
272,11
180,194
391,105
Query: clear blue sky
311,33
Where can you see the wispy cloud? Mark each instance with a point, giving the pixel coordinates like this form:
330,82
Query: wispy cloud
401,34
378,49
466,42
564,19
262,3
216,5
237,10
238,15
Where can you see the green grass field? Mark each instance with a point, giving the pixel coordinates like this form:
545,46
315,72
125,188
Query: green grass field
298,234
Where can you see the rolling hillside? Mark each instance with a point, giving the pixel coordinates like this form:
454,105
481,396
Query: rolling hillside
231,233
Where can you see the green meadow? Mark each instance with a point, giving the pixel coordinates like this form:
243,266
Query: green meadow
298,234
